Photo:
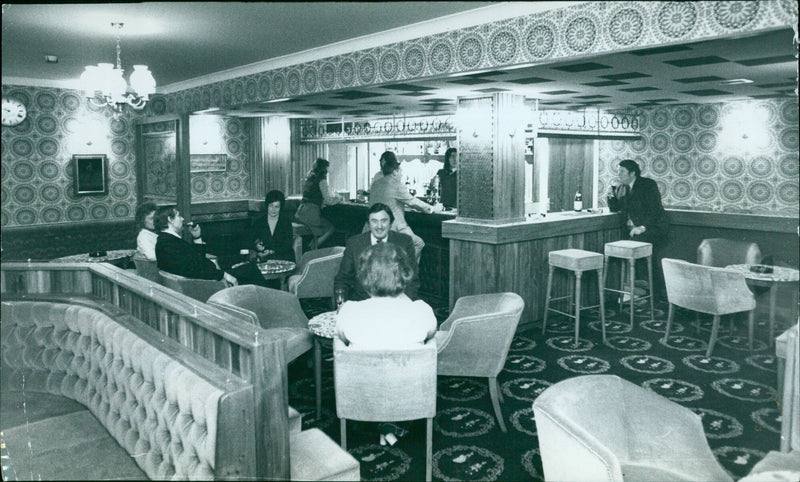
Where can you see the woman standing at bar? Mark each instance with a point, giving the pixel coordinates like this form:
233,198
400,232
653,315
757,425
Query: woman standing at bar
315,195
448,178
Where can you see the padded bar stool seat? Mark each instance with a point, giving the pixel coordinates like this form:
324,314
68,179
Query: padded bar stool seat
577,261
631,251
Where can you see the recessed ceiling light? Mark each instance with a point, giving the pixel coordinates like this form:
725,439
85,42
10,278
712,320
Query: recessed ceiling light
51,59
736,81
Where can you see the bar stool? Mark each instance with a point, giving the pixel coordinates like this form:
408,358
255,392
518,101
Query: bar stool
577,261
630,250
300,229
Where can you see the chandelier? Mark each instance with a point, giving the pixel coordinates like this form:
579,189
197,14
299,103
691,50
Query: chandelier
104,85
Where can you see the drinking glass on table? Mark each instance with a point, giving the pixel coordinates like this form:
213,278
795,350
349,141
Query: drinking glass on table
338,296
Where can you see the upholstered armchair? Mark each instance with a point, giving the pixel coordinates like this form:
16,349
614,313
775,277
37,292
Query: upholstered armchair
604,428
714,291
199,289
146,268
386,386
475,338
315,273
270,309
722,252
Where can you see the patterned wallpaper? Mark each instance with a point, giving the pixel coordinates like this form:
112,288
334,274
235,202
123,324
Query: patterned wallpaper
234,141
685,149
37,160
582,30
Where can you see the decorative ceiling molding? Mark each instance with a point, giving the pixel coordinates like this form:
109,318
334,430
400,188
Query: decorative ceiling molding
568,33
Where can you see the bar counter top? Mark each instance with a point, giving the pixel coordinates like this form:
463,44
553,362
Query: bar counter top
534,227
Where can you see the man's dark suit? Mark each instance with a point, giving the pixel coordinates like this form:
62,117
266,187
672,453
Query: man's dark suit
643,207
176,256
347,276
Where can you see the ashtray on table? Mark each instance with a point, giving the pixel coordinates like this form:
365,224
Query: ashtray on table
761,269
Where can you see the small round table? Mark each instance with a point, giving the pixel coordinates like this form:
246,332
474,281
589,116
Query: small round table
778,275
323,326
110,256
277,269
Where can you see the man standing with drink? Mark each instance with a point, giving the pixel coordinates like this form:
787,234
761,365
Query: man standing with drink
639,199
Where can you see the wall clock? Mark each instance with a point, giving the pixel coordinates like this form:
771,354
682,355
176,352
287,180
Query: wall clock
14,112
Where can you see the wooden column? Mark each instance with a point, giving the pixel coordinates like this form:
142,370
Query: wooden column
491,164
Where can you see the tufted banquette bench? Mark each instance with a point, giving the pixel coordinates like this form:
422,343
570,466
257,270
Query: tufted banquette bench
90,394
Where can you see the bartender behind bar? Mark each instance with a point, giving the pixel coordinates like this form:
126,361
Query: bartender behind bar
447,178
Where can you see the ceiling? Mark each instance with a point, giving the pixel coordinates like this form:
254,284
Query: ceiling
185,40
682,74
208,37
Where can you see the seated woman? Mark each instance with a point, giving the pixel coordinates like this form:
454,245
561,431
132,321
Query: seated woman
271,234
147,237
388,319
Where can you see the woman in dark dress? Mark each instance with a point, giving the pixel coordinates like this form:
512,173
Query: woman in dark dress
448,178
271,234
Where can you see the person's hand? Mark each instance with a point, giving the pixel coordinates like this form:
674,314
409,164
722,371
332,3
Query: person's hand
437,208
195,231
637,230
230,279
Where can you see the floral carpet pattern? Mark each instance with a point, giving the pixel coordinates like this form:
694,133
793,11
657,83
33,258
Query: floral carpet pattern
733,391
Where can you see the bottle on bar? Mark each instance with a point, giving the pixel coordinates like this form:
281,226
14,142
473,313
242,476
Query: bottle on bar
578,204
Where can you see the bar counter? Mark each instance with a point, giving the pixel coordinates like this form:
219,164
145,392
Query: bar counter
513,256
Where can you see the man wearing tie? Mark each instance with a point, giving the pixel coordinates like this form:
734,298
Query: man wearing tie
379,219
639,199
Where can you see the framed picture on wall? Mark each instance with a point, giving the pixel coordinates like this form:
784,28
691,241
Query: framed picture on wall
90,174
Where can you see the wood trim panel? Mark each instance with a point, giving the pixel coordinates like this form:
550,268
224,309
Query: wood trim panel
752,222
554,224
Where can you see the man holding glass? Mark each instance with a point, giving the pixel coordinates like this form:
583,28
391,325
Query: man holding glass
639,199
379,220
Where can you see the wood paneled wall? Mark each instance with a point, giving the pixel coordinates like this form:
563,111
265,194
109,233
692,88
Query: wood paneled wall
303,157
571,164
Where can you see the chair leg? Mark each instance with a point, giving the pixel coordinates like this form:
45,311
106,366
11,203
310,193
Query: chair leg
343,429
547,300
669,322
750,325
697,322
650,280
499,393
578,275
632,268
714,331
601,290
493,390
318,375
428,449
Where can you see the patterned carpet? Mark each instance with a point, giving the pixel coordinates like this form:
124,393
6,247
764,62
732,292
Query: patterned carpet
733,391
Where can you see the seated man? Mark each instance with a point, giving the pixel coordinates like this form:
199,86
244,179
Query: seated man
380,219
176,256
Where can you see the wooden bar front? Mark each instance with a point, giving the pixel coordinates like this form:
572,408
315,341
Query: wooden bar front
491,258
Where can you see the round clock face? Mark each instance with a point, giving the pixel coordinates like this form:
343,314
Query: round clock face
14,112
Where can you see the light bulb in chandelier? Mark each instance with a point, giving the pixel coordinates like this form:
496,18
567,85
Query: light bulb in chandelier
105,85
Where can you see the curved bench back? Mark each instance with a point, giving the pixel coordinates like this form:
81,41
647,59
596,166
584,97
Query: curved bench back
176,414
